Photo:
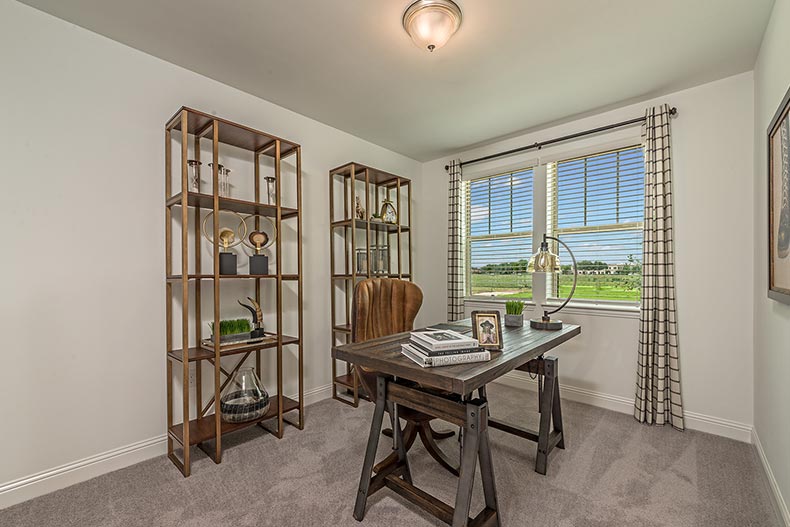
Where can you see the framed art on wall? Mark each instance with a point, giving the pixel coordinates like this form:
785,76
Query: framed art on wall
779,204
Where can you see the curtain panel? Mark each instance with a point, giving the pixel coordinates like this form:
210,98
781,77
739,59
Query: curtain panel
455,246
658,396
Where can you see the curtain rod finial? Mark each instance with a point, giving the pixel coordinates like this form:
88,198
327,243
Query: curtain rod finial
673,111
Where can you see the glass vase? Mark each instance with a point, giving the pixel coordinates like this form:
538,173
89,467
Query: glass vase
244,398
224,182
271,190
194,175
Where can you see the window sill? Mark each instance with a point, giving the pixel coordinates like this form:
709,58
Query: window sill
498,301
591,308
630,311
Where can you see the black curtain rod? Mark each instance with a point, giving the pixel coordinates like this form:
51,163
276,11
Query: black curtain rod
537,146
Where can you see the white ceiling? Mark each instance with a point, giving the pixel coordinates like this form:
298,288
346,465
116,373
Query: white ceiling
514,64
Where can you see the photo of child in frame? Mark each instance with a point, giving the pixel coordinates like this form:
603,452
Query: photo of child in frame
487,329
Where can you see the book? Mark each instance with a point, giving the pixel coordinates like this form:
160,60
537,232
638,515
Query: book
441,353
444,339
447,360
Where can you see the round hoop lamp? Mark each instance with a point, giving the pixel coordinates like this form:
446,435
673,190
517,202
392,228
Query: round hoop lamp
228,238
258,240
545,261
431,23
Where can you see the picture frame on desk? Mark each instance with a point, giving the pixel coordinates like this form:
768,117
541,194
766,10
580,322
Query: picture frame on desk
487,329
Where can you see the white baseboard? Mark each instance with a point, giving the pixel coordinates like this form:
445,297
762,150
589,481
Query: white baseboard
30,487
694,421
57,478
776,493
316,394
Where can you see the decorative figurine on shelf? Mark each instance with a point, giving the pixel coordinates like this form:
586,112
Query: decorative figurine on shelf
257,318
194,175
271,190
375,217
259,263
388,213
359,210
258,240
227,238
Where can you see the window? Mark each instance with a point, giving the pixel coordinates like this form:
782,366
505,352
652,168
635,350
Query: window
499,234
595,204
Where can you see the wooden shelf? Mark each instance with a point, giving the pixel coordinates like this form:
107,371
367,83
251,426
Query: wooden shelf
343,328
230,133
377,177
374,225
347,380
206,201
204,429
178,277
206,353
345,189
187,133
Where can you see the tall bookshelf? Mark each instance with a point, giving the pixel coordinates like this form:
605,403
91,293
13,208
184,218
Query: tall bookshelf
192,277
363,248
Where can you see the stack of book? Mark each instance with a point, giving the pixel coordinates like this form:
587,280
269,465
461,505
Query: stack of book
443,348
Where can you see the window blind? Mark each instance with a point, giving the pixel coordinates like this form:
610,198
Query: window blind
595,204
498,228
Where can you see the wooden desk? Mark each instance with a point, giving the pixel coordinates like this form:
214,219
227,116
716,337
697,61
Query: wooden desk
524,349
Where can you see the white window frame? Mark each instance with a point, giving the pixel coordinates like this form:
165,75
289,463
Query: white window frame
468,238
590,146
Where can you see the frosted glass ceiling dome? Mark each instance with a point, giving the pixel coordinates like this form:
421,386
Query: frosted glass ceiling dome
431,23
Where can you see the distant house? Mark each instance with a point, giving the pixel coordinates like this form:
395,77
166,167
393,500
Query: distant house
610,269
614,268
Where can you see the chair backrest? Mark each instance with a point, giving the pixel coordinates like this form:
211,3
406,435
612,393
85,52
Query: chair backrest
383,306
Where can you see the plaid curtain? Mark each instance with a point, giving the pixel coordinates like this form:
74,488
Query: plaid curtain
455,246
658,399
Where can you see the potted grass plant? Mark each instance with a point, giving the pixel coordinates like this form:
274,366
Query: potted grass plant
232,330
514,313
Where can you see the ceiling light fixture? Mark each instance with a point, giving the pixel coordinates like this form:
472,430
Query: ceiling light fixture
431,23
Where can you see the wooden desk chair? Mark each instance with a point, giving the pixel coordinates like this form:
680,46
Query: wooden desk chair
381,307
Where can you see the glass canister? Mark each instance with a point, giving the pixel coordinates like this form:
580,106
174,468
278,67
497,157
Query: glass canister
224,182
223,185
271,190
244,398
194,175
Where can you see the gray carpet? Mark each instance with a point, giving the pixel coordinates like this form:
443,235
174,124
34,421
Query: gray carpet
615,472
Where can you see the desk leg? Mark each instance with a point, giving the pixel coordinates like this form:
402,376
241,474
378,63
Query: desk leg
401,447
547,408
370,453
556,410
486,465
469,456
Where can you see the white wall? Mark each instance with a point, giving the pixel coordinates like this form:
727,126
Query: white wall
82,294
712,148
771,318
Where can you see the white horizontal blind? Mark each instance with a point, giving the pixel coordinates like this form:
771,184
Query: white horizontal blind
595,204
499,234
